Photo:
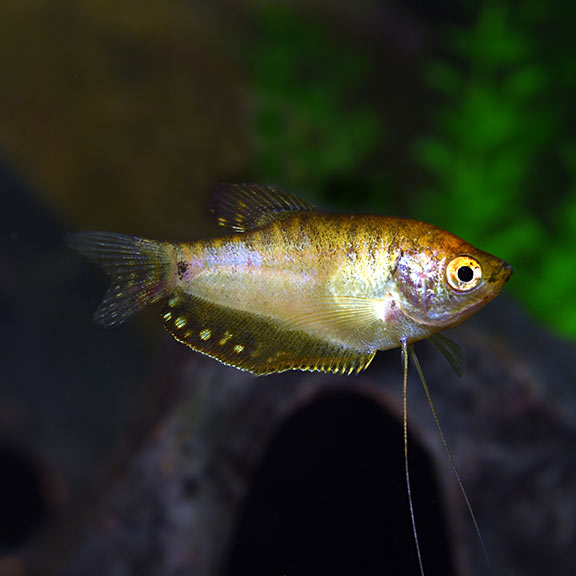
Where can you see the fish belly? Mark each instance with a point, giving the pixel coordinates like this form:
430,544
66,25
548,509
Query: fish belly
260,302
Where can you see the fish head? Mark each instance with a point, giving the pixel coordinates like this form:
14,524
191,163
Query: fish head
442,280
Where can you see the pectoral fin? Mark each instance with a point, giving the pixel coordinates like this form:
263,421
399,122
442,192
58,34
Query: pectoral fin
349,317
451,351
255,343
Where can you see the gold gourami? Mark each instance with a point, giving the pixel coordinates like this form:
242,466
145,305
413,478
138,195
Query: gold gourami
295,288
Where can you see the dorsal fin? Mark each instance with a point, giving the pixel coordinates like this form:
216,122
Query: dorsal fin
243,207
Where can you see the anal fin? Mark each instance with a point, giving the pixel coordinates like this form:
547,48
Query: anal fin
254,343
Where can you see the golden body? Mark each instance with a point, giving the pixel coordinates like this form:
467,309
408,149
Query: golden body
294,288
329,275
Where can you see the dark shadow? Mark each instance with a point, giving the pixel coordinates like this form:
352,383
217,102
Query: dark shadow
23,506
330,498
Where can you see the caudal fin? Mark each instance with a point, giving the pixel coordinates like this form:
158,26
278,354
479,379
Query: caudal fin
141,272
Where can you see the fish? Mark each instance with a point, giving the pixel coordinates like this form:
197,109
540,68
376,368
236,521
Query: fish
291,287
295,288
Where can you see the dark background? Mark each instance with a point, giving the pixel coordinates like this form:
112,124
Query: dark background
124,116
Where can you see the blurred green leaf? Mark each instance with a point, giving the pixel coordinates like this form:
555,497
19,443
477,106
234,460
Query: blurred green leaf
443,77
494,129
308,127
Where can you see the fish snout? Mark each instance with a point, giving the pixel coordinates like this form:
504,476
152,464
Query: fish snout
502,273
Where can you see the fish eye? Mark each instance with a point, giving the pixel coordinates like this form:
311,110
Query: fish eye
463,273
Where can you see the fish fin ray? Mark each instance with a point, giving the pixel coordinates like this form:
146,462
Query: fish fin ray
406,350
341,315
139,271
254,343
459,481
243,207
451,351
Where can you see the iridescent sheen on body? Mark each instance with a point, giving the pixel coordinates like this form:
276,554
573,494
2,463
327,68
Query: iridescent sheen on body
296,288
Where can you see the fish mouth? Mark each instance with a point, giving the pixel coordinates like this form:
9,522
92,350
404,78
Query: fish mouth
502,273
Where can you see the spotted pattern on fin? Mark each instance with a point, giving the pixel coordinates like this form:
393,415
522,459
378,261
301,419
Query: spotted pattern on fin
243,207
254,343
140,270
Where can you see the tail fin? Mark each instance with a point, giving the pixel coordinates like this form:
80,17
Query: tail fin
141,272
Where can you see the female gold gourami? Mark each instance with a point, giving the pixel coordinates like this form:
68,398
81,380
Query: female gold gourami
292,288
296,288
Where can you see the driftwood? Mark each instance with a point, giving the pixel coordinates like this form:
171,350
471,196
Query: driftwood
302,473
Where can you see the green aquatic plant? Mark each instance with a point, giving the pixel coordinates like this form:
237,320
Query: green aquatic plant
480,156
553,295
308,126
493,132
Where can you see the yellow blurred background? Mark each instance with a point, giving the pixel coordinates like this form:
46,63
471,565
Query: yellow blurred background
122,115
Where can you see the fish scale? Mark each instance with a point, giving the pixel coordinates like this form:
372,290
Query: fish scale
296,288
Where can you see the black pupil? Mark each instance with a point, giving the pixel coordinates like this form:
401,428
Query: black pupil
465,274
